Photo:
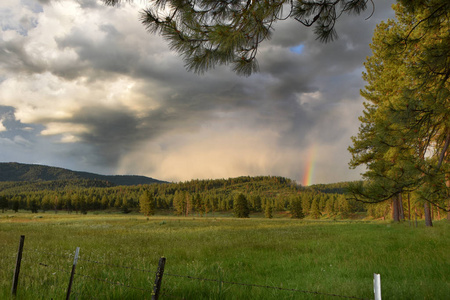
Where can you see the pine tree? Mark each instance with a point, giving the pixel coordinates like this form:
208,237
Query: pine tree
179,203
16,204
296,209
257,203
83,204
268,212
199,205
329,206
146,204
405,130
315,212
240,207
3,203
105,202
306,203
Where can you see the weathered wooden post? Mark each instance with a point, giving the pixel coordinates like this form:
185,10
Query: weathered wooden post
158,278
377,286
17,269
75,260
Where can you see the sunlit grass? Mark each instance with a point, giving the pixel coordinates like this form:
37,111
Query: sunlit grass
324,256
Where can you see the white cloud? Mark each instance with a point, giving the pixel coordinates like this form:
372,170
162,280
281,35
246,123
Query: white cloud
55,128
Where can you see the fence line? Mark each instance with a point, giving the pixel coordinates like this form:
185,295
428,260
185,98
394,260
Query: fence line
113,282
80,258
265,286
38,280
118,283
160,272
84,296
164,293
53,268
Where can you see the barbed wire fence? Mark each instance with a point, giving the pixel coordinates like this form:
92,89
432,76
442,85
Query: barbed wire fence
155,292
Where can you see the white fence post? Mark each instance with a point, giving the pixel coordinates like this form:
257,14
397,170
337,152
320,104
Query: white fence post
377,286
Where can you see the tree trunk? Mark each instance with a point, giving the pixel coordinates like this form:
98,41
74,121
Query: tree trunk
447,177
427,212
447,182
409,208
400,207
448,207
395,210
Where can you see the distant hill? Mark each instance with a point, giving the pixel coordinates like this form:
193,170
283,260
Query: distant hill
36,173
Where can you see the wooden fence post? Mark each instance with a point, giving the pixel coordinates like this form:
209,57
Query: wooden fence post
377,286
75,260
17,269
158,278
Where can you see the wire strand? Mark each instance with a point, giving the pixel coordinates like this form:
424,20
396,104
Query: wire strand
265,286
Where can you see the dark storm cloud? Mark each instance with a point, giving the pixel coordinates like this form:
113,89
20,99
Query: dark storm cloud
107,54
111,131
295,95
333,69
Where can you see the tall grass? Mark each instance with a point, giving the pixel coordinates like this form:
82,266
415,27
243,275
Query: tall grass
315,256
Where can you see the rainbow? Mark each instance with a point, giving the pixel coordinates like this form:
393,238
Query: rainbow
309,170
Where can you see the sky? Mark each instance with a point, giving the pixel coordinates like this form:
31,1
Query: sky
83,86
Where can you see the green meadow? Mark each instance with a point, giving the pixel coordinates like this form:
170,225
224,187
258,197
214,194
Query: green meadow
222,257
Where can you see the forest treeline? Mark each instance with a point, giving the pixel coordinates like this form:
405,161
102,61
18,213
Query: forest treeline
262,194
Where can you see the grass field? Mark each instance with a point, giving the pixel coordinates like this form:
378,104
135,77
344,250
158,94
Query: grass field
119,256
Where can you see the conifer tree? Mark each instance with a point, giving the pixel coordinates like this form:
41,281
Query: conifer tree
296,209
315,212
83,206
105,202
306,203
15,204
179,203
268,212
257,202
3,203
405,130
329,206
240,207
199,205
147,204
